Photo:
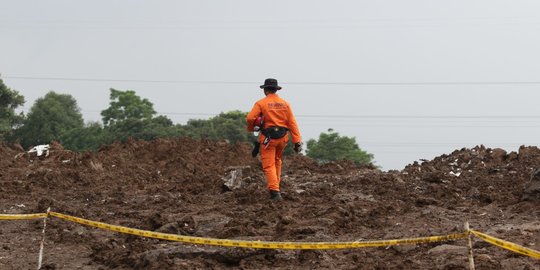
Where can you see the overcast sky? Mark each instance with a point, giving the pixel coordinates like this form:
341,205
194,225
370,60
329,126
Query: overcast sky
409,79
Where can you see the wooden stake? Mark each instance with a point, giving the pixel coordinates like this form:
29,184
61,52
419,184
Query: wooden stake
40,258
471,257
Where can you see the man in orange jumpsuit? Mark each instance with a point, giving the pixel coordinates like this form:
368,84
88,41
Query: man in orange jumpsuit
278,122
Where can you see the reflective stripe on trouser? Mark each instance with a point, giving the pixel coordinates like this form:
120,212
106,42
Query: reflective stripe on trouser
271,161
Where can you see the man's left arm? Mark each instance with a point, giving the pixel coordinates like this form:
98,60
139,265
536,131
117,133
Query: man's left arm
293,127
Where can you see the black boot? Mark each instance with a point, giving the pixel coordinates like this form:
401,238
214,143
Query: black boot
275,195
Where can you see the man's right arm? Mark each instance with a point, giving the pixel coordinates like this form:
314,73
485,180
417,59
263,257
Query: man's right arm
252,116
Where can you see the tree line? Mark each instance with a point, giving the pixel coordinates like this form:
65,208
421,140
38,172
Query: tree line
57,117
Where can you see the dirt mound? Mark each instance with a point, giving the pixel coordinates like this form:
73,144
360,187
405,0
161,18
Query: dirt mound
177,186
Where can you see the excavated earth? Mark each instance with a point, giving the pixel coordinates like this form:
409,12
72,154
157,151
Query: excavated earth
177,186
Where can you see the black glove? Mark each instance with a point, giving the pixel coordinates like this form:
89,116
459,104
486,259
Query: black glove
298,147
256,147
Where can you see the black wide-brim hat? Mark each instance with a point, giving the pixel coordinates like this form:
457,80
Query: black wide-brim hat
271,83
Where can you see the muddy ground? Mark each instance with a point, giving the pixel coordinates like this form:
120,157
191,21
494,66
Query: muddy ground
177,186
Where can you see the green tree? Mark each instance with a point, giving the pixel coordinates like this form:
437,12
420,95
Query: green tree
49,118
143,129
331,147
9,101
131,116
126,105
89,137
230,125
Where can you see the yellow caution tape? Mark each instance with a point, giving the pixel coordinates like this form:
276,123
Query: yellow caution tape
279,245
22,216
258,244
507,245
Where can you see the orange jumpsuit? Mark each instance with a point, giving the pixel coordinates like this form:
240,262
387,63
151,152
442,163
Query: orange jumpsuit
276,112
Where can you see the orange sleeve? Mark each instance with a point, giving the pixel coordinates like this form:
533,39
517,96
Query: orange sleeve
293,127
252,116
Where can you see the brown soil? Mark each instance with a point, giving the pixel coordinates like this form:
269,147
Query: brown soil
176,186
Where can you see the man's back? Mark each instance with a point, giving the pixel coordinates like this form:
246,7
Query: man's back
277,112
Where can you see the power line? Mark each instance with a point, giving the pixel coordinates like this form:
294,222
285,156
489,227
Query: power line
124,80
265,24
320,116
416,83
432,126
285,83
422,116
405,145
399,117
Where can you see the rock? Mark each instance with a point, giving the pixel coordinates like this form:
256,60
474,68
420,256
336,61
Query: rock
424,201
449,249
55,145
211,223
402,249
514,263
160,258
426,212
223,143
285,220
17,146
523,228
532,189
432,177
233,180
483,258
498,154
398,179
326,221
309,230
169,228
349,197
287,255
512,156
525,153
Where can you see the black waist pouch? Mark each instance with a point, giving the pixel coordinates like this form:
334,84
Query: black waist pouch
275,132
